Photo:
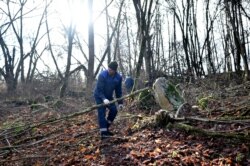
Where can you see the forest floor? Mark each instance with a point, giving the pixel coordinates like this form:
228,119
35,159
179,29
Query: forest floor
76,140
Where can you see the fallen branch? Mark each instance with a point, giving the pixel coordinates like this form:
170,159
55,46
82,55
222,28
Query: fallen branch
212,120
195,130
36,137
55,120
164,118
24,158
27,145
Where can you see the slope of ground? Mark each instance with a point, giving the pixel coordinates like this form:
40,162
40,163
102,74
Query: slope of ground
76,141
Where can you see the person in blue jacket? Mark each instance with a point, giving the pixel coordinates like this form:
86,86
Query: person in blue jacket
109,81
129,83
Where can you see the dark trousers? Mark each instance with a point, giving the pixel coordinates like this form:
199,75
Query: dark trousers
104,122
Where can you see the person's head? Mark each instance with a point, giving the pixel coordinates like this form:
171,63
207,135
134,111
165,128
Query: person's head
112,67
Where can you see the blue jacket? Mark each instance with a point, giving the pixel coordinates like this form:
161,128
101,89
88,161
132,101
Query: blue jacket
106,85
129,83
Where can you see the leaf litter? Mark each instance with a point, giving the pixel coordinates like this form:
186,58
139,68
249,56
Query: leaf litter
76,141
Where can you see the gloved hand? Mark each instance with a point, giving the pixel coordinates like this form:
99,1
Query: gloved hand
120,106
106,101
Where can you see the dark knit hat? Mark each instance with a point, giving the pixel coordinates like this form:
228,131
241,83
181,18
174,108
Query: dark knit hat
113,65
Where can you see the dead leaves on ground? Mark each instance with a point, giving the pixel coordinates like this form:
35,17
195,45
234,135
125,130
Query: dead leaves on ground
80,145
76,141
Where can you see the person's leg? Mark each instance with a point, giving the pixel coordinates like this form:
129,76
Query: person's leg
112,114
102,119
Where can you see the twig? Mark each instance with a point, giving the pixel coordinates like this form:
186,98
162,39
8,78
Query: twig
37,137
235,130
9,144
7,141
24,158
27,145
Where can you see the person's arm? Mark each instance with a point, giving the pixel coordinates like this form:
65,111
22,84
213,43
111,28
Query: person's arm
100,87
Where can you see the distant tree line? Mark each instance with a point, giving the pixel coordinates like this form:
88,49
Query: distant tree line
148,38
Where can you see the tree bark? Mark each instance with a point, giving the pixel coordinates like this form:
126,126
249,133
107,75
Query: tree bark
91,42
143,17
70,37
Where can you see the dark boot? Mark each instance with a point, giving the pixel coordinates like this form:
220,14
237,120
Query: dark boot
108,125
110,133
106,134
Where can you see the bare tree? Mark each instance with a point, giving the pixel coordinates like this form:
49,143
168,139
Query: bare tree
64,74
209,50
129,44
91,44
144,16
183,20
233,10
107,25
110,38
70,31
14,29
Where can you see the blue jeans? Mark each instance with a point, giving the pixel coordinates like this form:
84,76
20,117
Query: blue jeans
103,122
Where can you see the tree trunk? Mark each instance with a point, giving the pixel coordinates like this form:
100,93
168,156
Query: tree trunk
71,34
211,68
243,47
143,16
32,52
107,25
129,47
91,41
8,70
